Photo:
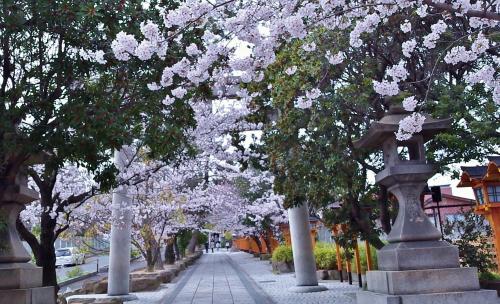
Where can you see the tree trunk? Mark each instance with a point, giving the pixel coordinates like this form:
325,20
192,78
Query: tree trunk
257,241
169,252
30,238
193,241
150,260
364,224
47,251
383,202
267,240
158,259
178,254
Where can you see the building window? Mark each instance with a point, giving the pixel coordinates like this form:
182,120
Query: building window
479,195
494,194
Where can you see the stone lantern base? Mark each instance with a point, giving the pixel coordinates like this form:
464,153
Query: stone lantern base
427,286
20,283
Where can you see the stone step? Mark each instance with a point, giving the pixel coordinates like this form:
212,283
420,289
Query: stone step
422,281
37,295
465,297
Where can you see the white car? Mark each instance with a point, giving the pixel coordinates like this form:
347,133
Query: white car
69,256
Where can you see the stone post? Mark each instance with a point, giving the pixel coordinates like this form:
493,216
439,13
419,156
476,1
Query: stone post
20,281
119,255
303,256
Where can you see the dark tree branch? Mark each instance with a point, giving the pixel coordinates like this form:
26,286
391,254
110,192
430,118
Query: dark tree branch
470,13
29,238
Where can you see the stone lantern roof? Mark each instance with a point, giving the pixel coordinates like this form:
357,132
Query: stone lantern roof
386,127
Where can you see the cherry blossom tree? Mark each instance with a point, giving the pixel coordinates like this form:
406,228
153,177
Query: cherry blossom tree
311,148
263,210
66,99
464,31
166,201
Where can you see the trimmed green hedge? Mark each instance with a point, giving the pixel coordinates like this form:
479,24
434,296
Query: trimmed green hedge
489,276
325,255
362,259
283,253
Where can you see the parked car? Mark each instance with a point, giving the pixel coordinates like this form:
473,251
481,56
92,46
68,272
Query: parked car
69,256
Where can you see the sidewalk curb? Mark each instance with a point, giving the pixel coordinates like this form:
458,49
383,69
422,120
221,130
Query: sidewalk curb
180,284
73,280
256,292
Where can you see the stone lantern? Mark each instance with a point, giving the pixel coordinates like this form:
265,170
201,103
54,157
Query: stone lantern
20,281
416,266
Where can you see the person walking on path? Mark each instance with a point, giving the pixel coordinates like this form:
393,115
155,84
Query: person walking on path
227,245
217,245
212,244
206,246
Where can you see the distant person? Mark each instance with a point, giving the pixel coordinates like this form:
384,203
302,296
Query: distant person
206,246
227,245
212,244
217,245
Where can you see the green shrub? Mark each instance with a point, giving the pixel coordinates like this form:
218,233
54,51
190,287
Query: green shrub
283,253
74,273
202,238
489,276
325,256
134,253
183,238
471,235
362,259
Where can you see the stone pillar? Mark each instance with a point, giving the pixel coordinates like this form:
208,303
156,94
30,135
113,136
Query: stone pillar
303,256
119,255
20,281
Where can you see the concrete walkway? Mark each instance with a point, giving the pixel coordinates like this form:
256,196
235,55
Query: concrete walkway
239,278
216,279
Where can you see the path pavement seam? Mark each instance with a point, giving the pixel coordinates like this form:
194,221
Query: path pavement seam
255,291
180,285
229,286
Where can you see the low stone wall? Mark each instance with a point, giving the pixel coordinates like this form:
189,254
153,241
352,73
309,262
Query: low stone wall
493,285
266,257
282,267
140,280
335,275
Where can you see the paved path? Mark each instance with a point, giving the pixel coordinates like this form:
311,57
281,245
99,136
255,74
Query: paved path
277,286
239,278
215,279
